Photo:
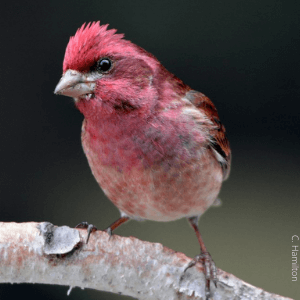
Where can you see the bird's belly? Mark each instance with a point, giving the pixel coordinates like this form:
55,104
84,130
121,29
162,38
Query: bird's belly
160,193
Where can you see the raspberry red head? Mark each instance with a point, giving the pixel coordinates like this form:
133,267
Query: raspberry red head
112,72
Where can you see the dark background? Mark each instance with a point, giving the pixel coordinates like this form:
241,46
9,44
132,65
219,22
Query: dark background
244,55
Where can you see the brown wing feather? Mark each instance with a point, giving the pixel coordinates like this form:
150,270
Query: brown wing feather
219,143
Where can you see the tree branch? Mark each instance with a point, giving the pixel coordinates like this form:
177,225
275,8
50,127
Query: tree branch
44,253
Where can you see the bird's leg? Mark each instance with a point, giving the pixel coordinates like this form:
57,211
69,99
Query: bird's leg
116,224
210,270
90,228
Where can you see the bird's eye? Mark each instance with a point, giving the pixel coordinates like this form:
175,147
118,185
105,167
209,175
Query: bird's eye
104,65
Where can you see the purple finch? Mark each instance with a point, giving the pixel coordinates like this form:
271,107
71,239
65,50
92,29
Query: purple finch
156,147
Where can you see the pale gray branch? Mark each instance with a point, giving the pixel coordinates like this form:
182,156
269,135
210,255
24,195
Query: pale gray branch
44,253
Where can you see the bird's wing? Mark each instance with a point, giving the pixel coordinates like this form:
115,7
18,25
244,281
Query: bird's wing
218,141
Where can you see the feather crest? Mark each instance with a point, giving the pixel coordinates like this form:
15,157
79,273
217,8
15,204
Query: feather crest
85,47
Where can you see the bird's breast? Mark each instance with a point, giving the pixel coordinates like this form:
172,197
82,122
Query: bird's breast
153,175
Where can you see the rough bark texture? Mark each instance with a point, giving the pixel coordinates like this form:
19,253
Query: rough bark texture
44,253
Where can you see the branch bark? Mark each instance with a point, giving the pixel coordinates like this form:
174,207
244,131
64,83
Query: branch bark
43,253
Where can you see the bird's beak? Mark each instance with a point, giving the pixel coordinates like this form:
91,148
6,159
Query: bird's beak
75,84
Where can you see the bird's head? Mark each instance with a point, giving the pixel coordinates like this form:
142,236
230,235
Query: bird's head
105,73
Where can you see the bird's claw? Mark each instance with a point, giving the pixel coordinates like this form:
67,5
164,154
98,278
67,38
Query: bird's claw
109,231
209,269
89,227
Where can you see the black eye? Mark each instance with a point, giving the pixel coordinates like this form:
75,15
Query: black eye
103,65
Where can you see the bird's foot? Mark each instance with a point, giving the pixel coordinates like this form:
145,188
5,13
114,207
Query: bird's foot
209,269
90,228
115,225
109,231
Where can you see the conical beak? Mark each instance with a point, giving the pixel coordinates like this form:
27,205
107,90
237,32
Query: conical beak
75,84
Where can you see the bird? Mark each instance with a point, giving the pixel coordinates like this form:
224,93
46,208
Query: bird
156,147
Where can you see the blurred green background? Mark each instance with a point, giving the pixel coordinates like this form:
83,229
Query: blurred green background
244,55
